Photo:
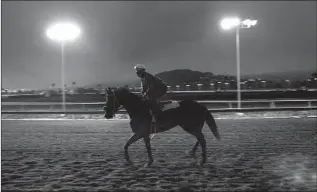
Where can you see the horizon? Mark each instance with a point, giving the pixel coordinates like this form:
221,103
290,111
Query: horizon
273,74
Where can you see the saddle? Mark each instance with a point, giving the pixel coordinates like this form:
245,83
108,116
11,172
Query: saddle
161,107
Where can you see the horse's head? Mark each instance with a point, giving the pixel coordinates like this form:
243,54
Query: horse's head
112,103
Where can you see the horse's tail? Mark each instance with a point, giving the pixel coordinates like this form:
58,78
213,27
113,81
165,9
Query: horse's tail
212,124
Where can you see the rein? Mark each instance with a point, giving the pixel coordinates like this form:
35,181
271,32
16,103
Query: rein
114,103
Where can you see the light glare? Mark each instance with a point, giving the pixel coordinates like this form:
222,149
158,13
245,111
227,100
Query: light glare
229,23
248,23
63,31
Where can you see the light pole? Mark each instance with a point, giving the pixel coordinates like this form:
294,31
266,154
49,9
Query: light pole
63,32
230,23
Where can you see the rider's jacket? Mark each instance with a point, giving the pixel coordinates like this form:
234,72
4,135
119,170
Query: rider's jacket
153,86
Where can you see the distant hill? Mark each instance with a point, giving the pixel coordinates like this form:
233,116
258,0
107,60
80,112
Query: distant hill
174,77
181,76
292,76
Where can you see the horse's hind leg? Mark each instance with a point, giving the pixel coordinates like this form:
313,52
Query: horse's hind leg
196,131
201,139
131,140
193,151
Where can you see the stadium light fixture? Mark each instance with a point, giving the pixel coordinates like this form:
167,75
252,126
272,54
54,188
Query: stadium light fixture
229,23
236,23
63,32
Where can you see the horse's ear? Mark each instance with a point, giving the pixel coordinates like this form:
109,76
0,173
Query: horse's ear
108,90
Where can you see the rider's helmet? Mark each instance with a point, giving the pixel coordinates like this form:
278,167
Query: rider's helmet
139,67
140,70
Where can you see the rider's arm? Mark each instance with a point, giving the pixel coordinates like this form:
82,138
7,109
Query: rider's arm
146,82
142,88
146,91
145,87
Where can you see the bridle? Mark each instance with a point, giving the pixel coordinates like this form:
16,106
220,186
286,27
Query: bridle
115,101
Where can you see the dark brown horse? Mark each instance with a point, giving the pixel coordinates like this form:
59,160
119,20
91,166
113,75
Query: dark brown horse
189,115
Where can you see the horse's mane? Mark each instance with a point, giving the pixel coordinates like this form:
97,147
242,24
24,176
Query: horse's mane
131,101
123,90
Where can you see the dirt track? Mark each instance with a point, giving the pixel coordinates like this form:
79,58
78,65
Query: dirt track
254,155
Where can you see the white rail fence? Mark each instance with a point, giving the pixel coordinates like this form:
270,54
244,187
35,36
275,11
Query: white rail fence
214,106
4,95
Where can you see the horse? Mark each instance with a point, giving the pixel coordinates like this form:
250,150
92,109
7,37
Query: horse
189,115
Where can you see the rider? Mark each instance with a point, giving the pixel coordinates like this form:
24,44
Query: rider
153,88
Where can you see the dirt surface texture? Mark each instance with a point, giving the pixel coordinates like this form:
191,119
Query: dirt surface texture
255,154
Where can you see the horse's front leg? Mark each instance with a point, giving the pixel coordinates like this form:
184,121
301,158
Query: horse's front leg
148,148
131,140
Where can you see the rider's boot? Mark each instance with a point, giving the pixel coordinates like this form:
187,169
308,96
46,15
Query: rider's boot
155,108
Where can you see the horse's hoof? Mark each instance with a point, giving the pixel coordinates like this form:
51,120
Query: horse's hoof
202,162
128,162
190,155
193,164
148,164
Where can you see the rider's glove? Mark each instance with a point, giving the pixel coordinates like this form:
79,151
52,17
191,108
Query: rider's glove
145,96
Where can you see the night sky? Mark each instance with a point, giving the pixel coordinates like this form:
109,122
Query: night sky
161,35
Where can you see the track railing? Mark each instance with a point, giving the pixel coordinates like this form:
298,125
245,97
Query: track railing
215,106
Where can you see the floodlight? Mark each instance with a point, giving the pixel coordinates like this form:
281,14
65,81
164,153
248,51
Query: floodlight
249,23
229,23
63,31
